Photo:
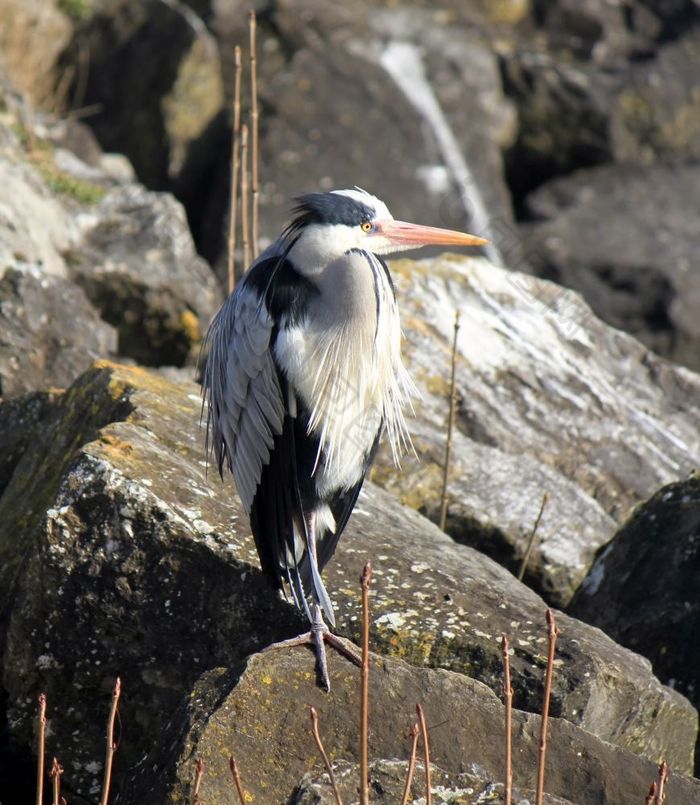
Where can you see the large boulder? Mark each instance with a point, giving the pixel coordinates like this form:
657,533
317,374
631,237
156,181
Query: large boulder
356,95
137,263
152,71
49,331
33,33
261,715
644,588
119,557
640,274
549,399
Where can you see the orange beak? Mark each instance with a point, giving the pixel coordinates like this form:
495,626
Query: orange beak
401,233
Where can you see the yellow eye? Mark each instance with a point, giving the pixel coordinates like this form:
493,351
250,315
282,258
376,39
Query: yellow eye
366,226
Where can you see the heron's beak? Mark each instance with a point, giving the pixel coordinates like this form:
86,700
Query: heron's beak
400,233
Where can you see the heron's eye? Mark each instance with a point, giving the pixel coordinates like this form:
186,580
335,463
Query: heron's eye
366,226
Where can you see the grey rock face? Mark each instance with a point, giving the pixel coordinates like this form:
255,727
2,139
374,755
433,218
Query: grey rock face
138,265
549,399
155,76
262,716
115,536
639,274
49,331
644,588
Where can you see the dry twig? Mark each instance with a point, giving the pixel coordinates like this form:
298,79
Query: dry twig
198,774
663,779
426,755
244,196
415,732
254,128
553,633
41,750
111,746
450,427
324,756
55,774
236,779
508,697
651,796
235,160
531,541
364,688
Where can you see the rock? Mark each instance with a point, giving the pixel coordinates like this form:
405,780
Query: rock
322,127
116,538
34,226
138,265
644,588
149,108
261,715
32,35
637,275
656,116
20,418
549,399
38,346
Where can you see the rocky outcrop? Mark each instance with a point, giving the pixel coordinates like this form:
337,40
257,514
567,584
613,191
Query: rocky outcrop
549,399
644,588
640,274
261,715
91,264
49,331
116,537
153,72
137,264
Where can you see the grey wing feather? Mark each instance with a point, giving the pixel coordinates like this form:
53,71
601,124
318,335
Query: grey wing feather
242,390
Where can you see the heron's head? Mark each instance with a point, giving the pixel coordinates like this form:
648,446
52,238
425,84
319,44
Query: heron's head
326,225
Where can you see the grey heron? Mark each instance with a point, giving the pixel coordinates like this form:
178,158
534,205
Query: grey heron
303,375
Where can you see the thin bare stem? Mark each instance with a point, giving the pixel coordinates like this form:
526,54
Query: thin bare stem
663,779
553,632
531,541
415,732
508,697
450,427
364,688
235,160
41,750
198,775
254,120
651,796
324,756
237,779
55,774
244,196
111,746
426,755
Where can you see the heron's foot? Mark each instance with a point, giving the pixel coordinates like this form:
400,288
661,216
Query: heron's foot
316,638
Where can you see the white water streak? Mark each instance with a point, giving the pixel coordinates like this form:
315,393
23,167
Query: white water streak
404,63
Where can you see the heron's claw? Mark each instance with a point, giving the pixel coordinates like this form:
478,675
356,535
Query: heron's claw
317,637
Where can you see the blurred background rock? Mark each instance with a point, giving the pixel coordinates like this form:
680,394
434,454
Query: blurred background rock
569,131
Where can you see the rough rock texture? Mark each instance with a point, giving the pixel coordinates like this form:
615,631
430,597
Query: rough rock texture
644,589
549,400
33,33
155,76
20,419
49,331
262,716
115,536
71,227
640,274
404,123
138,265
